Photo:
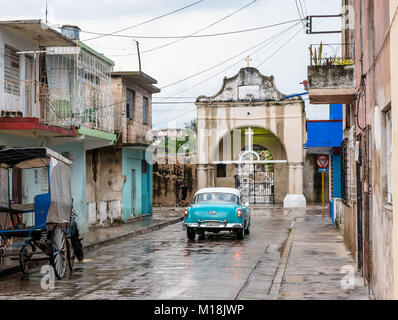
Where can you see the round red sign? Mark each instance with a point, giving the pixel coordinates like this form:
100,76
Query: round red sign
322,162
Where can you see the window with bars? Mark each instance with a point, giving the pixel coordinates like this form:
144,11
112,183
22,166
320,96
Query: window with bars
345,172
348,183
130,101
145,111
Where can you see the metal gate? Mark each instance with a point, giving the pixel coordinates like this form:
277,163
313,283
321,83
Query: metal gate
256,183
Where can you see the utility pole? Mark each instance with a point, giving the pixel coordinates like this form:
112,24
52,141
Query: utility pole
139,56
46,11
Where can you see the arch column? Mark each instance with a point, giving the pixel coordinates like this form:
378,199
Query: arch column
205,175
295,197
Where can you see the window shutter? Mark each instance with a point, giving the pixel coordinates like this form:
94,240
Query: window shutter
11,71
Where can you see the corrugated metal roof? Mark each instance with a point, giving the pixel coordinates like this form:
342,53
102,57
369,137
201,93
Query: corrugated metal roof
139,77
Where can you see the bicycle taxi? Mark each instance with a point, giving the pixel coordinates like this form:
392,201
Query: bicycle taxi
36,209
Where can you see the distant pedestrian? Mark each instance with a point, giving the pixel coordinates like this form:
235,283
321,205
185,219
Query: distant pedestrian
183,195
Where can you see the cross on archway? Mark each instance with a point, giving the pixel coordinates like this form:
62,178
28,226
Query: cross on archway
248,60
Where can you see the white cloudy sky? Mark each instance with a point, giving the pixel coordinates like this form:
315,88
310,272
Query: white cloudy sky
193,55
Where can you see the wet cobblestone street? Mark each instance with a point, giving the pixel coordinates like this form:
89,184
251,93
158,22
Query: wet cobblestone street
165,265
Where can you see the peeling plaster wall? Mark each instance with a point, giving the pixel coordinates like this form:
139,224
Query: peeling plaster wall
104,185
282,119
394,98
375,46
167,181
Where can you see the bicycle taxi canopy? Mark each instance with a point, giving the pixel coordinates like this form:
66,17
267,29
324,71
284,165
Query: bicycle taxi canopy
53,206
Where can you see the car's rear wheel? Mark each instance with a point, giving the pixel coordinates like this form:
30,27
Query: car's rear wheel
247,230
240,234
191,233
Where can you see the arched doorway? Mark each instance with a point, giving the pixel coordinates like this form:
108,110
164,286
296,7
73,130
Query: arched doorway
253,160
250,99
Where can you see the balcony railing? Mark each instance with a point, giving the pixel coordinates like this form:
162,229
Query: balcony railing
55,107
332,54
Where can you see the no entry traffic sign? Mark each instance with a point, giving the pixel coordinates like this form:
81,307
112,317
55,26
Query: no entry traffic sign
322,162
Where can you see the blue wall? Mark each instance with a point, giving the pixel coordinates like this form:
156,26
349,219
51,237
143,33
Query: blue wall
78,180
336,112
336,192
322,134
143,184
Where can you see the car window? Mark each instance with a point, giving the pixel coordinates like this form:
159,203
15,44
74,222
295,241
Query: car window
216,198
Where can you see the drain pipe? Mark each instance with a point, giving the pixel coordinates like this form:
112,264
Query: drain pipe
296,95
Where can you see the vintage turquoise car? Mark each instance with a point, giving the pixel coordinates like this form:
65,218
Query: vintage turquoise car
215,210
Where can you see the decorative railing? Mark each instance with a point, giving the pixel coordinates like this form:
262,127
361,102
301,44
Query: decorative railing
62,108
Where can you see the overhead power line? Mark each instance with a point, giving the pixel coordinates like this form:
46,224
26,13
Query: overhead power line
199,35
145,22
305,8
299,12
265,43
222,62
192,34
280,48
214,75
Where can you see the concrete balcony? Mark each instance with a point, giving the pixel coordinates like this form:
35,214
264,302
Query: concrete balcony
332,84
331,74
26,109
50,111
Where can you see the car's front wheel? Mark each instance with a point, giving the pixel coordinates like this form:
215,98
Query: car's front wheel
191,233
240,234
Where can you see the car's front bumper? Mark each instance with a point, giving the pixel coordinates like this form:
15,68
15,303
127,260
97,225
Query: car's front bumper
213,225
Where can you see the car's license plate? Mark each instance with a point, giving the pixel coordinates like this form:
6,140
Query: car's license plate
212,224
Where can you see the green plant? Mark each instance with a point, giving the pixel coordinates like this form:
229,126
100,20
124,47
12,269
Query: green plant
317,55
343,62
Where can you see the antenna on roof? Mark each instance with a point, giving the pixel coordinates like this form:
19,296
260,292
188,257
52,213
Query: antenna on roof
46,11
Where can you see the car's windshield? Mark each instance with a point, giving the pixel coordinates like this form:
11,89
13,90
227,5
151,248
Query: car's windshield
216,197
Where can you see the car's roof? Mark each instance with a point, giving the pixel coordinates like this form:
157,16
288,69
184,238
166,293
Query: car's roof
219,190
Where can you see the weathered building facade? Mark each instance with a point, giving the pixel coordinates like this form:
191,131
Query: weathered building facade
54,92
120,177
369,39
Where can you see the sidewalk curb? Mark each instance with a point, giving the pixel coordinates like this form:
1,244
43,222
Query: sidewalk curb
132,234
92,246
280,272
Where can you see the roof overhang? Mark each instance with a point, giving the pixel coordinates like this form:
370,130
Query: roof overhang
15,156
37,31
140,78
319,150
32,127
